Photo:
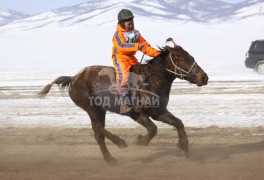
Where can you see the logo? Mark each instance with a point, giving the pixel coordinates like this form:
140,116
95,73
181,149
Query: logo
137,93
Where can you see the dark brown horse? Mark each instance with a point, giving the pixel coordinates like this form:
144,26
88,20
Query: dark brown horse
93,89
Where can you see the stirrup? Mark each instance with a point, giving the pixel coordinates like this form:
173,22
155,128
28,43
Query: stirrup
125,109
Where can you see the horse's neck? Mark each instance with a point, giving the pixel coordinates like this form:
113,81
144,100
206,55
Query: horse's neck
159,70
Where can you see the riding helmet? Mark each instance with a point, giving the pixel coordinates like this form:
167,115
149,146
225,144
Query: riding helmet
125,14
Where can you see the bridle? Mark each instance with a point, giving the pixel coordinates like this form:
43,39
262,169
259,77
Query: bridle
182,73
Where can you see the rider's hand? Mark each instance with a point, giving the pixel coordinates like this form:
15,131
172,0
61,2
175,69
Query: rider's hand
140,46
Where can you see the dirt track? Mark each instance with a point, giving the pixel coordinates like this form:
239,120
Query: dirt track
72,153
37,143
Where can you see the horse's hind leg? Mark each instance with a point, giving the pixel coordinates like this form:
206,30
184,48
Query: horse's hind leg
97,116
168,118
98,123
115,139
150,126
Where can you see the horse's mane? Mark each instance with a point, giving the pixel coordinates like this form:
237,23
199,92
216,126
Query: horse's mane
163,53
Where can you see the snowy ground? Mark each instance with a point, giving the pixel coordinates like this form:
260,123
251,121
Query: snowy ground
220,103
31,59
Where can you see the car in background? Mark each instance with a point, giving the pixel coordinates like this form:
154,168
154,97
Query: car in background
255,56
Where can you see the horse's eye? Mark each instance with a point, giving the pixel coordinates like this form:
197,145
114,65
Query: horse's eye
183,60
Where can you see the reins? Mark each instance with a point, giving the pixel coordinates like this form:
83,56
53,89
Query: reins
140,63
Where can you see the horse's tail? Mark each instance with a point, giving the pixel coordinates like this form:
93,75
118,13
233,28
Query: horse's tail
63,82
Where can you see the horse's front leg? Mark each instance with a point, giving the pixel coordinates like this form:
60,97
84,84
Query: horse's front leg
150,126
168,118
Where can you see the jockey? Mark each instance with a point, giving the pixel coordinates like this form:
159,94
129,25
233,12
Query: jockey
126,42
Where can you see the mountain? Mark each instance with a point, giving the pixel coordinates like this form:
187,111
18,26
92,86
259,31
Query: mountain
104,12
8,15
239,11
248,9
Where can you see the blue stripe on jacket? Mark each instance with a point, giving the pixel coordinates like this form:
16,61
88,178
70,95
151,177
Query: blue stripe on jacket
119,73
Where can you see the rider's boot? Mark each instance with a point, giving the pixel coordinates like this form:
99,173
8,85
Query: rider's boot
125,107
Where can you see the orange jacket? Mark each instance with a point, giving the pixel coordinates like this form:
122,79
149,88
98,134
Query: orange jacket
126,43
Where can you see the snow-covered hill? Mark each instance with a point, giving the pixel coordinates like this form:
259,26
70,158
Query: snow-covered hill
8,15
240,11
90,26
104,12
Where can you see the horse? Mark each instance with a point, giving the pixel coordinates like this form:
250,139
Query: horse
94,90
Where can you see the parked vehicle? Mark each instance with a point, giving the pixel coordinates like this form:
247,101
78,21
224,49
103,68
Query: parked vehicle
255,56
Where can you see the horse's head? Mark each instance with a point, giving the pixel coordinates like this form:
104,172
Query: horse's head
180,63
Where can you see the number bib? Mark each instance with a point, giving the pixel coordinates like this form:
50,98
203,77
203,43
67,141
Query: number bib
131,37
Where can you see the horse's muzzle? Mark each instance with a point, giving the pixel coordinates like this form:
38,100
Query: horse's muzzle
201,79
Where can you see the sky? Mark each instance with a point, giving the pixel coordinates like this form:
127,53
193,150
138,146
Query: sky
38,6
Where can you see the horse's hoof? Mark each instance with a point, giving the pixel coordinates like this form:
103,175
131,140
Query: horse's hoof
186,155
185,149
122,145
112,161
141,140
